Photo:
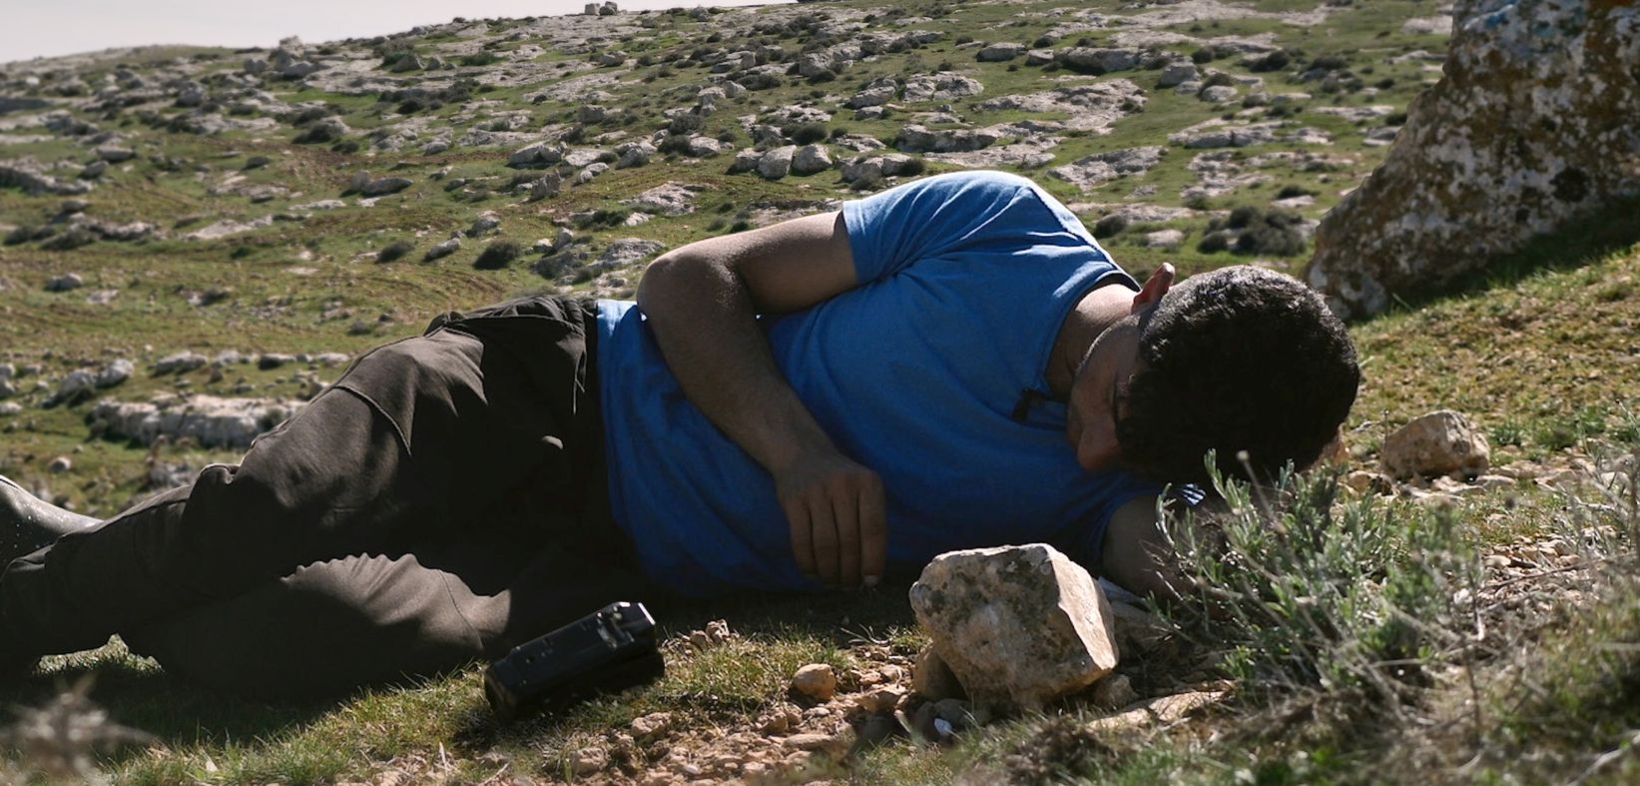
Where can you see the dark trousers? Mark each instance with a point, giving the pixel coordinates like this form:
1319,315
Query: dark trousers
444,500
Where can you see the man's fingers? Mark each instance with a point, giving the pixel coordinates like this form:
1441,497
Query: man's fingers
823,531
797,518
873,532
847,510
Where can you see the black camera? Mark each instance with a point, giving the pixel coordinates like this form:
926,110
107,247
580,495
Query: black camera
604,652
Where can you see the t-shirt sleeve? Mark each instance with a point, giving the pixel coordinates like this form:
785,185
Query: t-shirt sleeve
930,217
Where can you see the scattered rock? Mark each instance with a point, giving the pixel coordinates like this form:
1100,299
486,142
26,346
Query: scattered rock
1114,692
1439,443
651,726
65,282
73,389
776,163
179,363
1018,625
667,199
880,700
932,678
1099,60
442,250
628,250
1177,73
382,186
486,222
810,159
537,154
1002,52
817,681
114,373
209,421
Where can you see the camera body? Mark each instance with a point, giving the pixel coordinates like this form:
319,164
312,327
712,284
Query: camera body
606,651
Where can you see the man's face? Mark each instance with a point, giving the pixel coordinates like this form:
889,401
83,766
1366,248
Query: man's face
1098,392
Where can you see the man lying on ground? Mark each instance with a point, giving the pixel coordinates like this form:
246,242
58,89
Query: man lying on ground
952,363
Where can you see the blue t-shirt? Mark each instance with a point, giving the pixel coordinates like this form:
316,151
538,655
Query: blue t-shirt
965,280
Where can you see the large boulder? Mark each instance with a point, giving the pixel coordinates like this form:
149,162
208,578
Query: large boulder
1019,626
1536,121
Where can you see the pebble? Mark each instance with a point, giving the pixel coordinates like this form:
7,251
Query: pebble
880,700
589,760
816,680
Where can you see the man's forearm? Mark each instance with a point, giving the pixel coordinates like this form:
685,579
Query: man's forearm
704,320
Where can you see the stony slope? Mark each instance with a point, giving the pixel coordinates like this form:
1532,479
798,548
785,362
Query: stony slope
236,223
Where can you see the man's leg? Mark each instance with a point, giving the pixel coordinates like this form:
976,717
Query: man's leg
410,440
28,523
333,626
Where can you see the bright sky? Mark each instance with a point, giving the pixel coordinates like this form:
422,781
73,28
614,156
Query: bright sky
34,28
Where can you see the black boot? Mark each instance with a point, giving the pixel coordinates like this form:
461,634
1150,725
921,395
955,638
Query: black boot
28,522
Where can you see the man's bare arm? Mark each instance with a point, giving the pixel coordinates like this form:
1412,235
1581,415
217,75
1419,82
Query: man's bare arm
702,301
1136,555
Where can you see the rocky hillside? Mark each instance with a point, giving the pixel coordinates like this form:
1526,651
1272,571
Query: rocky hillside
226,228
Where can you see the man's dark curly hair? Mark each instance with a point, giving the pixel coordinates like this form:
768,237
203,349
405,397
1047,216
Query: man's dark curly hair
1241,359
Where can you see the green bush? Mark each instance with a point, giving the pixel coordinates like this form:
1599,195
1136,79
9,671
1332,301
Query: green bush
395,251
806,133
1306,590
1110,225
498,254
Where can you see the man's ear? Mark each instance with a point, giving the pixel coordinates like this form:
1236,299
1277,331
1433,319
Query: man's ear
1155,286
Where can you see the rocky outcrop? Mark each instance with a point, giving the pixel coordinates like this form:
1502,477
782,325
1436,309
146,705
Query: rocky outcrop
211,422
1019,626
1536,121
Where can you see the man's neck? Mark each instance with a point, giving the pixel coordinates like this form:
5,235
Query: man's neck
1100,308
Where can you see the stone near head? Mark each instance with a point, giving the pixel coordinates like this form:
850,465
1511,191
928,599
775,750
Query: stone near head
1439,443
1019,626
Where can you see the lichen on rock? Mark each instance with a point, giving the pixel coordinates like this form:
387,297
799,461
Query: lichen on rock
1536,121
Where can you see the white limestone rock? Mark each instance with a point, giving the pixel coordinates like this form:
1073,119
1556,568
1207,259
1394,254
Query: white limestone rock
1019,626
1439,443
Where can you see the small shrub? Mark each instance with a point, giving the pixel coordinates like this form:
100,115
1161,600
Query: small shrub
685,124
74,238
1274,61
806,133
24,234
914,167
1244,216
395,251
498,254
480,58
1289,191
1110,225
602,217
1213,243
1329,63
1220,79
1203,55
1315,592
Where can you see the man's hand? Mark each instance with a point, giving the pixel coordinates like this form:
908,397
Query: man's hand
835,509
